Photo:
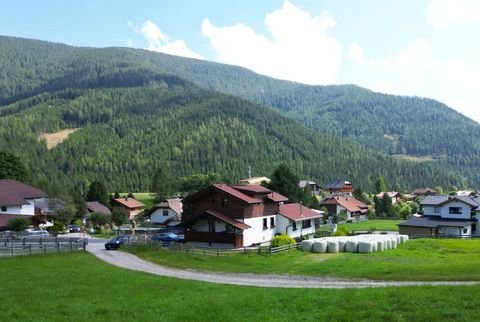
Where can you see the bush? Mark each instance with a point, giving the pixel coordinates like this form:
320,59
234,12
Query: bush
18,224
282,240
57,228
341,231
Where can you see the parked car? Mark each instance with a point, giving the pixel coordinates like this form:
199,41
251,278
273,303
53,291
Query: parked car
168,237
73,228
116,242
36,233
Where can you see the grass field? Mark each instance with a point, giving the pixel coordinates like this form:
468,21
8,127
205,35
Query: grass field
79,287
420,259
378,224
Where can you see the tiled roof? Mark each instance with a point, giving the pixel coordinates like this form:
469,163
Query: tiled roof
297,212
390,194
95,206
228,220
336,184
276,197
252,188
440,200
130,203
435,221
350,203
236,193
14,193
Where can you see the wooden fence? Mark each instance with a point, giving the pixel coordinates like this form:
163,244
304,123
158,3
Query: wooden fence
29,246
209,251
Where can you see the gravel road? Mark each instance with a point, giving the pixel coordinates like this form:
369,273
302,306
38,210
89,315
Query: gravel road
129,261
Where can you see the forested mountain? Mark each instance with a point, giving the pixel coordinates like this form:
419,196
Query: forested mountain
136,110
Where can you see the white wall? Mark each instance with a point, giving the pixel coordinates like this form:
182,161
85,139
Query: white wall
157,216
284,226
256,234
444,210
27,209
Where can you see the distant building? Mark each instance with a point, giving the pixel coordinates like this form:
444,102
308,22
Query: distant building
167,213
255,180
395,196
355,209
423,192
130,205
310,186
338,186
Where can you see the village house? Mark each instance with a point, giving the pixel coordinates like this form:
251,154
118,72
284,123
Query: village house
336,203
131,206
18,200
423,192
393,195
311,186
243,215
342,186
167,213
444,216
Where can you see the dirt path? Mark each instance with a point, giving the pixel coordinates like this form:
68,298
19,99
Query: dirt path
132,262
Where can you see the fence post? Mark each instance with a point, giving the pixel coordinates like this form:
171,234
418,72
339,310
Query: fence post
71,245
12,249
24,241
30,249
44,249
217,253
58,247
270,250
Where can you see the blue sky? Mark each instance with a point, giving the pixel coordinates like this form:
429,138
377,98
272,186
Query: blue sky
427,48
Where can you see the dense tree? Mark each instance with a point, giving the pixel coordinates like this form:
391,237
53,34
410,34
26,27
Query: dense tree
17,224
285,182
11,167
380,185
162,184
119,217
99,220
98,192
197,182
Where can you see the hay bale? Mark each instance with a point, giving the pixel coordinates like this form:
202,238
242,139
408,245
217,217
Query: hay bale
332,246
364,247
307,245
394,243
380,246
398,239
319,246
341,245
374,245
403,238
351,246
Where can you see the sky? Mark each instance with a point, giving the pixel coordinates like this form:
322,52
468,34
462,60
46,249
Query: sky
426,48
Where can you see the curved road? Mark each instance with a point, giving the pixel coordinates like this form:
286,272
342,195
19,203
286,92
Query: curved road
129,261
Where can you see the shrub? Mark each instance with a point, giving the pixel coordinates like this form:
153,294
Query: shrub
341,231
57,227
282,240
18,224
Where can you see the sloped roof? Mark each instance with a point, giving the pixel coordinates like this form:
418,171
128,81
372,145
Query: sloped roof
175,204
297,212
130,203
350,203
390,194
236,193
435,221
228,220
303,183
337,184
252,188
423,191
276,197
95,206
440,200
14,193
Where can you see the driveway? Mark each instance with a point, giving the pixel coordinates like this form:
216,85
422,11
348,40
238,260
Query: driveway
129,261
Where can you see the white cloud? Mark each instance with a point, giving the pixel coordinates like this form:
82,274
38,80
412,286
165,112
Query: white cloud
356,54
160,42
299,48
129,42
441,13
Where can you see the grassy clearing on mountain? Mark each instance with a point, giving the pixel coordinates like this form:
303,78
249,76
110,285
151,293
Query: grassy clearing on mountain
79,287
417,260
54,139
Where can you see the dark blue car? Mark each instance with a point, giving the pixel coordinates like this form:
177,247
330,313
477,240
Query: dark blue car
116,242
168,237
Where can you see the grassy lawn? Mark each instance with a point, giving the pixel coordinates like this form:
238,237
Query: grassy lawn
378,224
420,259
79,287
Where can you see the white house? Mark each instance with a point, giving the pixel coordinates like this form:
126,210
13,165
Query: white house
355,209
445,215
296,220
18,199
167,213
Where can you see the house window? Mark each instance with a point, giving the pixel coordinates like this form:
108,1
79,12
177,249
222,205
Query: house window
228,228
465,230
4,208
306,224
294,226
455,210
165,213
225,202
272,222
265,223
436,210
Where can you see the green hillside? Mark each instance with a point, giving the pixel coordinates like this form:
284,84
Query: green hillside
136,110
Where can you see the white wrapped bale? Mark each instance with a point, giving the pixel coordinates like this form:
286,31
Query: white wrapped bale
394,243
351,246
380,246
341,245
307,245
332,246
403,238
364,247
319,246
389,244
374,245
398,239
